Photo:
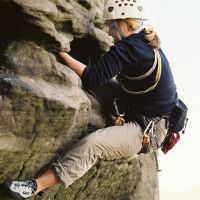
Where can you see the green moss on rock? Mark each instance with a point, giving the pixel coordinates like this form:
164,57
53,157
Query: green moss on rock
11,164
107,180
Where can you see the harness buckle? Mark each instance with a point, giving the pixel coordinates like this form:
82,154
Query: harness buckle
119,120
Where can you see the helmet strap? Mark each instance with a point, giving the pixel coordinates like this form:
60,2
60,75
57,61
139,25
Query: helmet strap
118,29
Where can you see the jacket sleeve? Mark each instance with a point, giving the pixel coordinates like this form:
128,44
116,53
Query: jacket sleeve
108,65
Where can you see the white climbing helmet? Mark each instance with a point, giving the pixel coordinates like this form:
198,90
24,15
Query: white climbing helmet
122,9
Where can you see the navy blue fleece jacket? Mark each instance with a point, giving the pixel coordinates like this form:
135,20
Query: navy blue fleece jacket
134,56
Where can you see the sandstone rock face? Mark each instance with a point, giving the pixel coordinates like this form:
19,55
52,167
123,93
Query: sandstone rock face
43,109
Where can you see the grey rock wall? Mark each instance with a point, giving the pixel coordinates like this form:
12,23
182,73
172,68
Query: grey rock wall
43,109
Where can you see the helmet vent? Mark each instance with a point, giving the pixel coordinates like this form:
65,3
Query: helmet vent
140,8
110,9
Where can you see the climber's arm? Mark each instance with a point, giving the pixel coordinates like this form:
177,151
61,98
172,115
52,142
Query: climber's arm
72,63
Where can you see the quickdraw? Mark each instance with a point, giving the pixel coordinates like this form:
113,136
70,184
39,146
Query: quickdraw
150,141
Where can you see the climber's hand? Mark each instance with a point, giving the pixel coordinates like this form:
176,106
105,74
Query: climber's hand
152,37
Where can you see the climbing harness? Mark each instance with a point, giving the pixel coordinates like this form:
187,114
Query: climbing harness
149,140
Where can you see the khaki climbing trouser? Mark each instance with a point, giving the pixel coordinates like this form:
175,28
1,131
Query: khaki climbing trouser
113,142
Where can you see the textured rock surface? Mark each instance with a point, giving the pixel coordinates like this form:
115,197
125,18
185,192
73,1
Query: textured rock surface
43,109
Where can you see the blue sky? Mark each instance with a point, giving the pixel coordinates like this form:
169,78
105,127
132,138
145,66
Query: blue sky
176,22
